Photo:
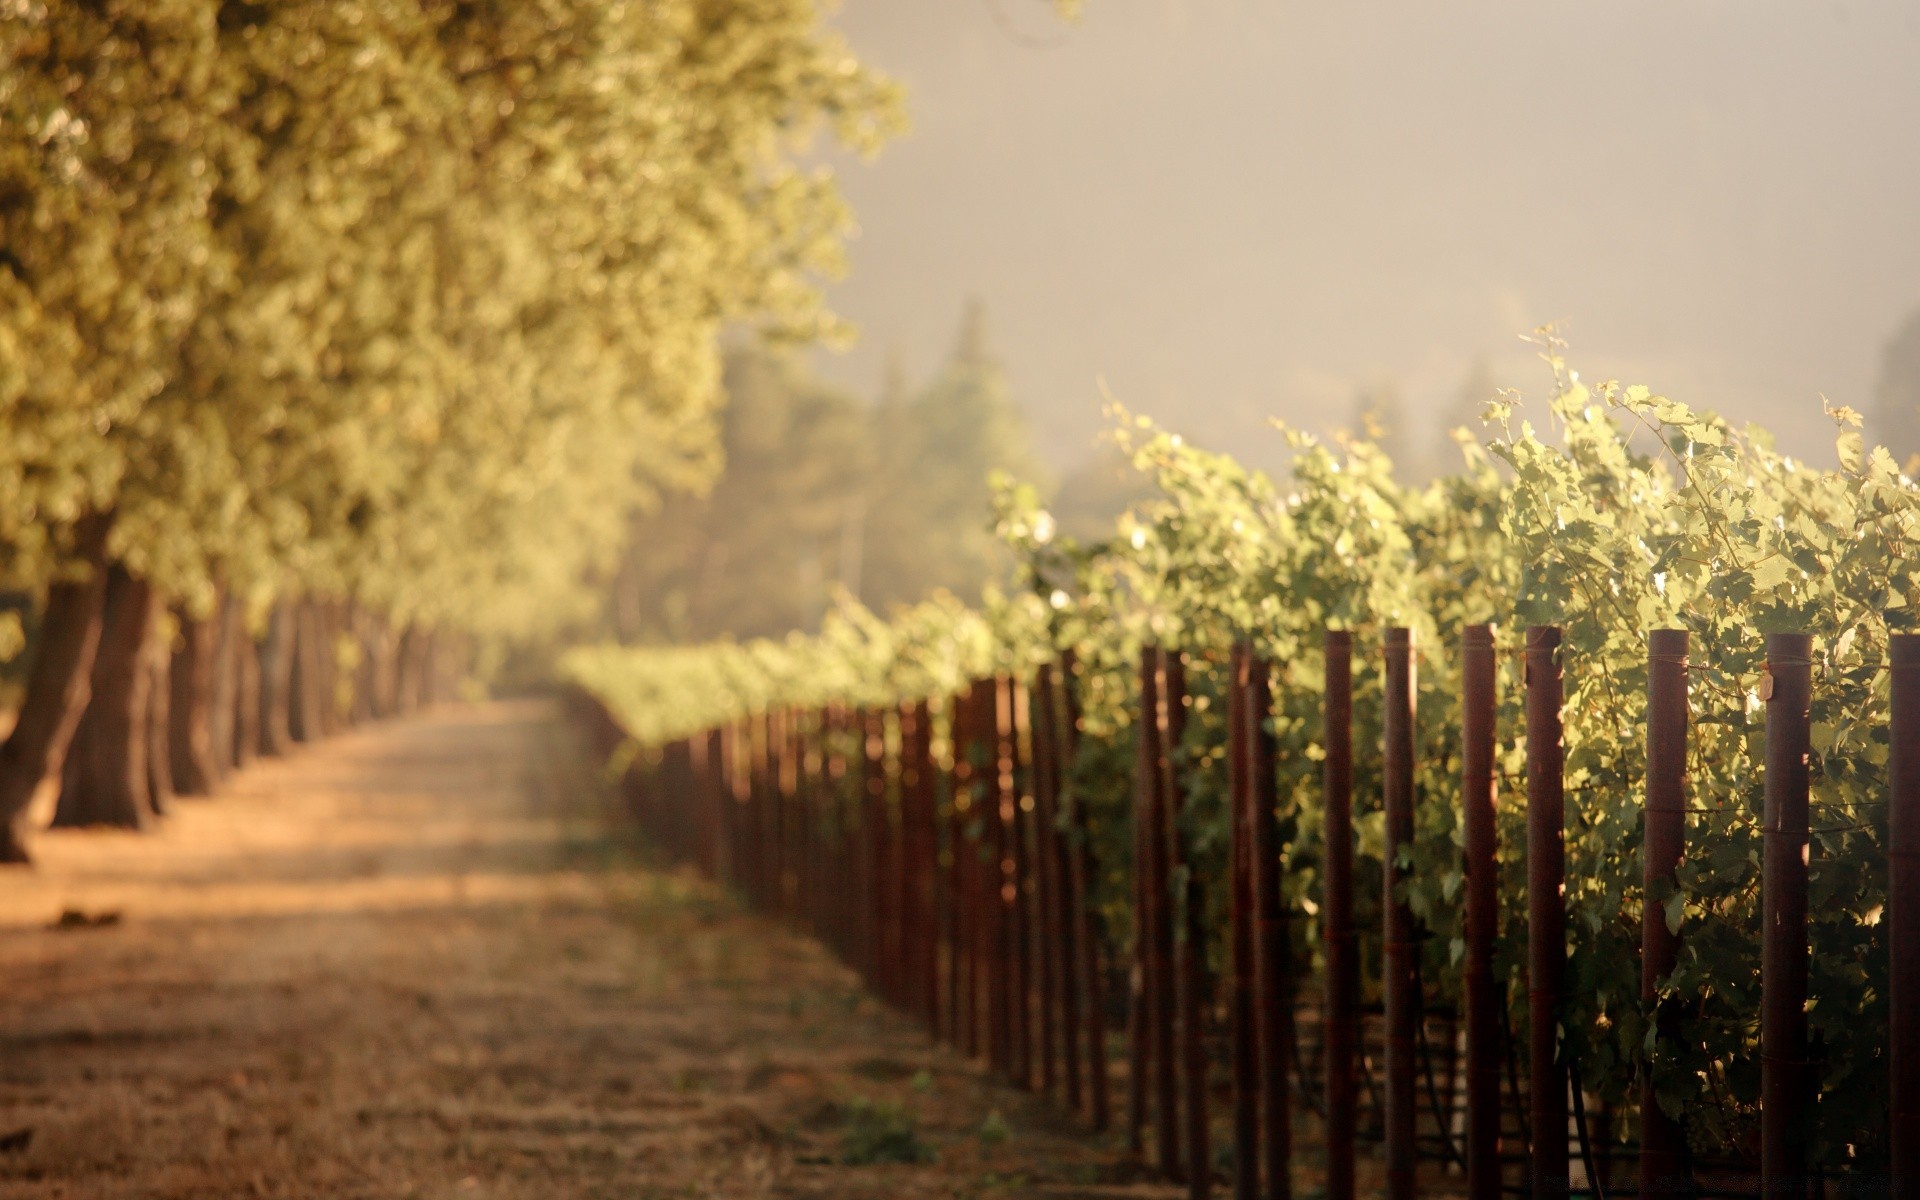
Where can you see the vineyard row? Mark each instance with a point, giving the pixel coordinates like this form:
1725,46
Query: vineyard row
942,849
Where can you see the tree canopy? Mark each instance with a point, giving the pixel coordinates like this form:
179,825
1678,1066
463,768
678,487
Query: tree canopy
407,300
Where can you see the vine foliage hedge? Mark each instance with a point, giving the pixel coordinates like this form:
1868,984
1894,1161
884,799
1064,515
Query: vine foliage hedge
1609,511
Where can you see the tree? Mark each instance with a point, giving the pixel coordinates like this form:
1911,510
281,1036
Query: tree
754,556
399,302
929,520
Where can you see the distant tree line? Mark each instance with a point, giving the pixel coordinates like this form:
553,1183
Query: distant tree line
821,489
322,321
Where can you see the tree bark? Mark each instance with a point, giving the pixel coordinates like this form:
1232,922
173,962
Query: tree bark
194,771
159,724
382,648
326,650
105,781
406,671
361,624
276,682
244,743
430,659
224,688
305,720
57,685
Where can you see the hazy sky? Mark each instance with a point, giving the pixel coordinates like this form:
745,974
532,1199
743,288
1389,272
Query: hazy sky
1230,209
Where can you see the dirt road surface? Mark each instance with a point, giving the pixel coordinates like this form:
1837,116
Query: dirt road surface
411,963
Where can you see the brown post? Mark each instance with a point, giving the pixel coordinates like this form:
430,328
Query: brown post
874,777
1146,767
980,885
1155,917
1162,1004
1052,932
1189,948
1483,993
999,887
1019,897
1903,917
1089,963
926,851
960,780
1785,1078
1546,915
1246,1046
1342,966
1402,999
1273,939
906,842
1663,1144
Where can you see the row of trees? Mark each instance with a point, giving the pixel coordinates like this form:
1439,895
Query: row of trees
391,308
823,491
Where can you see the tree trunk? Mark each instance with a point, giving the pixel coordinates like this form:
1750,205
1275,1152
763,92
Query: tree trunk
57,686
386,672
276,682
361,624
159,725
406,671
224,690
190,701
106,777
244,744
430,658
304,713
327,620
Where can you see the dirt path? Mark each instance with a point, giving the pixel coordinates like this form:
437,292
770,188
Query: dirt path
407,963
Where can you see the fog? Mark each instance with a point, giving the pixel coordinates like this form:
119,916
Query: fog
1235,209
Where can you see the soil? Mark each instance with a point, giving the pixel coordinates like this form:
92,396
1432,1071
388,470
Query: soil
414,962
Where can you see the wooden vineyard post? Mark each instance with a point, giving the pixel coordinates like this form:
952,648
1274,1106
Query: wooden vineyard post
1089,965
874,789
1162,1005
1189,946
1483,996
779,794
1903,917
1342,964
1546,915
1001,884
1785,1078
1246,1045
720,796
1398,980
713,799
1052,957
957,917
980,882
1146,766
1273,939
1663,1144
1019,896
757,853
919,836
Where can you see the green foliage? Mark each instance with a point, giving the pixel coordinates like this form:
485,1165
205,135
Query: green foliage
394,299
820,493
1634,513
881,1133
926,507
757,554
